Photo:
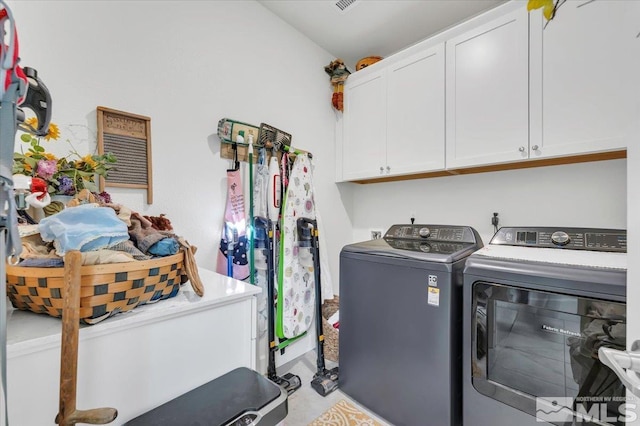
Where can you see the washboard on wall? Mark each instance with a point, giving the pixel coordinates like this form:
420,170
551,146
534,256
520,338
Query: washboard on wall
128,137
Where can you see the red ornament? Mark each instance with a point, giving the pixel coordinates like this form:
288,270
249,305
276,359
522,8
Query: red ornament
39,185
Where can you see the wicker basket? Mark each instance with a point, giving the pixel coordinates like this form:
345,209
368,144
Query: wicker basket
331,335
105,289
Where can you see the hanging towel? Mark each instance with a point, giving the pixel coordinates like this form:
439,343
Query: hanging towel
234,230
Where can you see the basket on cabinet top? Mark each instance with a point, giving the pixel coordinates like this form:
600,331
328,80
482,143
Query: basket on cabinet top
105,289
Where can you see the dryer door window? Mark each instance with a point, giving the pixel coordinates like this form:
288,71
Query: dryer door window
532,344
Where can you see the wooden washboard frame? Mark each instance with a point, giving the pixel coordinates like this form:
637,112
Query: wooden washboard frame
128,137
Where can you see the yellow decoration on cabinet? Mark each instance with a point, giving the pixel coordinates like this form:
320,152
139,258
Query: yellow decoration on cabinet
548,7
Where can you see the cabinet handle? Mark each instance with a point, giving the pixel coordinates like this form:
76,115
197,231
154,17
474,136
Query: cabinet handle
381,169
535,147
388,169
521,149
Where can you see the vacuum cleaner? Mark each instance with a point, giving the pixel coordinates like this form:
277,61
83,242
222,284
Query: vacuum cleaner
324,381
263,235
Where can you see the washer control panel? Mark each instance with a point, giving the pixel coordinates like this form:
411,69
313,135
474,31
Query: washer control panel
452,234
596,239
441,239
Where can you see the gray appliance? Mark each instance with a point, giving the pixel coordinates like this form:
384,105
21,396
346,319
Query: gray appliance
538,304
400,322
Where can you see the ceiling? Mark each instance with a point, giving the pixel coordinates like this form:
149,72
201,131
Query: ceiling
373,27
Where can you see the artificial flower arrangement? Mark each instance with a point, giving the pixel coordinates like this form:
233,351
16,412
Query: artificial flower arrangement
64,176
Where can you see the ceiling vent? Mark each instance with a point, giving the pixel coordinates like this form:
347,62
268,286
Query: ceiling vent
345,5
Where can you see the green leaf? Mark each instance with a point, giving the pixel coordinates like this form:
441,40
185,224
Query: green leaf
91,186
25,137
31,161
38,148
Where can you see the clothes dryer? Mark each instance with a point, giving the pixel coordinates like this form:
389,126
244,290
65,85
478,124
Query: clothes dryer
538,304
400,322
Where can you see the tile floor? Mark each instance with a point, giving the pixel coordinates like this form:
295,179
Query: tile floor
305,404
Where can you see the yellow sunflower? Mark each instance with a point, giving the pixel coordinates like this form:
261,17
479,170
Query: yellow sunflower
52,133
87,159
31,121
50,156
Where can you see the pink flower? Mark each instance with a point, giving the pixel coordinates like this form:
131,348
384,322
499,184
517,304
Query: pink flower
47,168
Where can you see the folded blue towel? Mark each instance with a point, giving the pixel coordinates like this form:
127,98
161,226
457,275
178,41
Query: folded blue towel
85,228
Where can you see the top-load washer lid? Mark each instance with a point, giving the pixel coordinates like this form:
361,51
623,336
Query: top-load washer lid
435,243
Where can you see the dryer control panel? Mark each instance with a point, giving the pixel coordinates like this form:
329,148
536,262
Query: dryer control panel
596,239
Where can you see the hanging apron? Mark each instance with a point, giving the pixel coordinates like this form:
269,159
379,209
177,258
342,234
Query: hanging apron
233,242
296,284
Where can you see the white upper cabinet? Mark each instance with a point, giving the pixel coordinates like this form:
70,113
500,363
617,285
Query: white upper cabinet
488,93
584,69
365,126
415,113
394,118
504,87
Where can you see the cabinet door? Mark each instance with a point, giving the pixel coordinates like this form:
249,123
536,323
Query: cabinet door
488,93
415,113
584,67
365,127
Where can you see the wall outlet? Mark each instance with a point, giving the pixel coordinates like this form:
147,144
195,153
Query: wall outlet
376,234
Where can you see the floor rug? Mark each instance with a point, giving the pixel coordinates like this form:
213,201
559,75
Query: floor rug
344,413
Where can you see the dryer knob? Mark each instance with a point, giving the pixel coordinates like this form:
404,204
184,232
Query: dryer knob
424,232
560,238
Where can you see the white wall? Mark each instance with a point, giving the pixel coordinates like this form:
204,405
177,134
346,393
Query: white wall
588,194
186,64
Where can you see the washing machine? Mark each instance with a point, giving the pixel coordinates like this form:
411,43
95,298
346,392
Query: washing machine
538,304
400,322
